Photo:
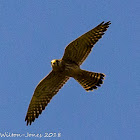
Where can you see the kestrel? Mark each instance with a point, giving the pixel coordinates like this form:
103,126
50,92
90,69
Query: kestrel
69,66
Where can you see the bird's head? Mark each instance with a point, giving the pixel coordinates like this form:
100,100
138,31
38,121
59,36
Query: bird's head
55,63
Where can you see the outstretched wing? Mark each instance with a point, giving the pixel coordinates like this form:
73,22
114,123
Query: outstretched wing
79,49
43,93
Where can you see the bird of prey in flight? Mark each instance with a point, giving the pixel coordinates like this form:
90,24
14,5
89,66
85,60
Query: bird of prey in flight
69,66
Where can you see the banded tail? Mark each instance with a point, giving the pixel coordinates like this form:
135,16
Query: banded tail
89,80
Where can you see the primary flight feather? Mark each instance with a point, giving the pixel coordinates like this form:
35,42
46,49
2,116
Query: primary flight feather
69,66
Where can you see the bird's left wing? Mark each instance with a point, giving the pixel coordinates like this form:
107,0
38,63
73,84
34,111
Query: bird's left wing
78,50
43,93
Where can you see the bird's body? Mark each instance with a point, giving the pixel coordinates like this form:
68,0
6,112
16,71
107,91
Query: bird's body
69,66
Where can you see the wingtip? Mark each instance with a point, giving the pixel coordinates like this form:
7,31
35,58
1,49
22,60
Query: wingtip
105,23
108,22
28,123
102,22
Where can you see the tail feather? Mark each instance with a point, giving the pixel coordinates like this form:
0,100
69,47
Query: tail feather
90,80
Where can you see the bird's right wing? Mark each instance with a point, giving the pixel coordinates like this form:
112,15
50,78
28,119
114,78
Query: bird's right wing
78,50
43,93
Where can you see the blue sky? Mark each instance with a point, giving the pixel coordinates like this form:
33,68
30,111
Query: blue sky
32,33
